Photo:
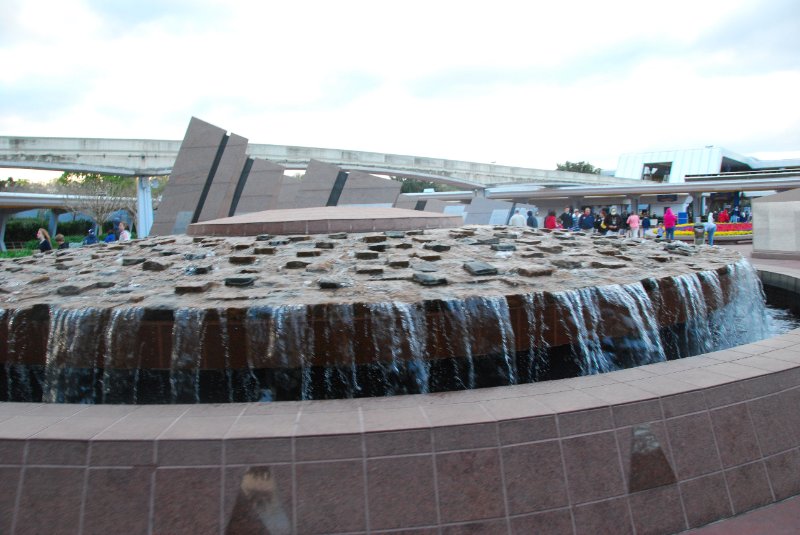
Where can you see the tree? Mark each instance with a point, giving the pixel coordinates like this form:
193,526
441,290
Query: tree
578,167
98,196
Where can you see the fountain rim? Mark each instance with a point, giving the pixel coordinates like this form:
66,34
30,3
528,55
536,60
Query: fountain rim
458,408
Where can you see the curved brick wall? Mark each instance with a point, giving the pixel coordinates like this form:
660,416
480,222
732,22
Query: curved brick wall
656,449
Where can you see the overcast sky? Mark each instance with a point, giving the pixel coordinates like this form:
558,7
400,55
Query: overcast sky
518,83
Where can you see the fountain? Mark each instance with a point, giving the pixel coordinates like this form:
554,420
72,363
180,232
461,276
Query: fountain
210,319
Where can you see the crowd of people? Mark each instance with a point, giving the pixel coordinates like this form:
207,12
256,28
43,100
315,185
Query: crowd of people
118,233
635,225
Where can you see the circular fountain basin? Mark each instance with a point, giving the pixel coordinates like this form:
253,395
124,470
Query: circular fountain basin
349,315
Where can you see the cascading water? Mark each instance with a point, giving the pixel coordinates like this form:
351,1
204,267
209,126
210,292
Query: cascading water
297,351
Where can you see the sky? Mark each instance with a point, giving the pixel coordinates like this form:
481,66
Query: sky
519,83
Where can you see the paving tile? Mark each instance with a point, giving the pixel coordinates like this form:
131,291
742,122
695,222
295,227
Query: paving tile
748,486
693,447
645,456
398,442
702,377
179,510
121,452
534,477
257,499
469,485
783,470
663,385
136,429
50,497
775,422
328,448
607,516
619,393
25,426
556,522
515,408
767,363
263,426
593,467
736,438
258,451
462,437
656,511
685,403
189,452
57,452
527,430
76,428
198,427
735,370
398,419
8,494
117,497
401,492
330,497
588,421
12,451
328,423
485,527
457,414
725,395
573,400
637,413
705,499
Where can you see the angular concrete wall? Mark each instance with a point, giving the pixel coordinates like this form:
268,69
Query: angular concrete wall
262,189
190,175
318,183
223,184
366,189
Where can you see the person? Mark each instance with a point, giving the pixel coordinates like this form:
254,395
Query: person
110,236
660,230
125,235
735,215
633,225
566,218
550,221
516,221
645,220
44,240
670,220
60,241
586,221
613,221
531,221
600,223
710,227
90,238
576,217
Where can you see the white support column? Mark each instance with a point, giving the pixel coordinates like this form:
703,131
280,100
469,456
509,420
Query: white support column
3,219
144,207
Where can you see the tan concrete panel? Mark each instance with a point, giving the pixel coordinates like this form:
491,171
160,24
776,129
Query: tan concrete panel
316,186
364,188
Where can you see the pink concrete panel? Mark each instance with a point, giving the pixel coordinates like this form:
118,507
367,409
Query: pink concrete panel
225,180
316,185
263,188
189,175
363,188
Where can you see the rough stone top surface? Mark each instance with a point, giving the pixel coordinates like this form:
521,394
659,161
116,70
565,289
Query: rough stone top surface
265,270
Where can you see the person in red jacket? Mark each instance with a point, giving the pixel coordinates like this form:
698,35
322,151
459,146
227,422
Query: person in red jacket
670,220
723,216
550,221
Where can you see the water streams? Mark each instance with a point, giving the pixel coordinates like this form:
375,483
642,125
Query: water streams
192,355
